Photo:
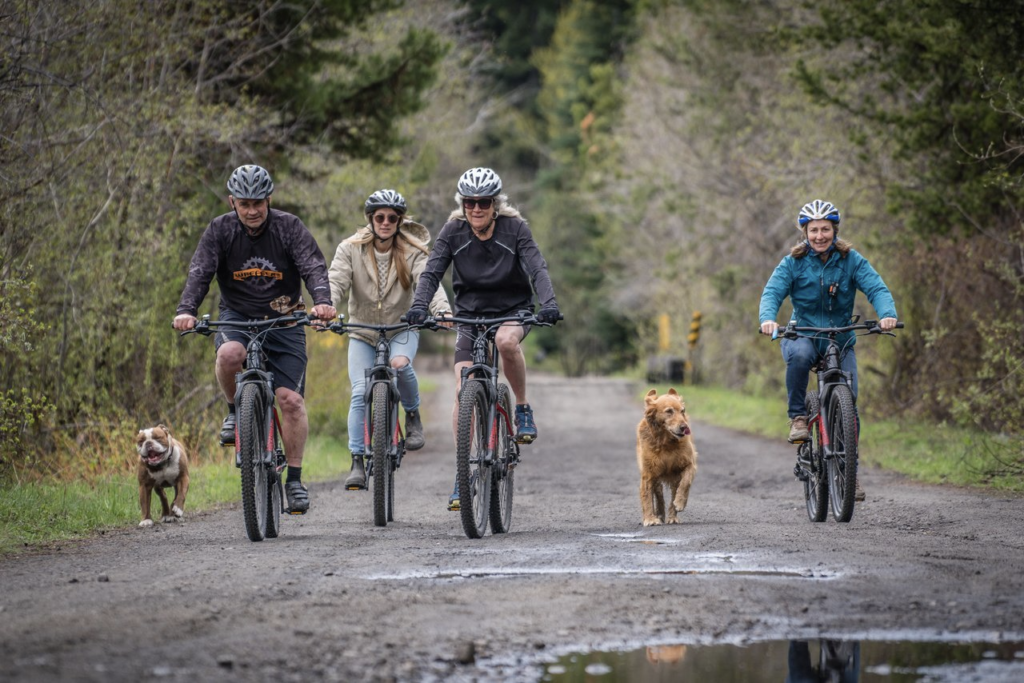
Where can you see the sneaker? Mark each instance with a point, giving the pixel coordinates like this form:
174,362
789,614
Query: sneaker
526,430
453,500
413,431
227,430
798,429
298,498
858,495
357,477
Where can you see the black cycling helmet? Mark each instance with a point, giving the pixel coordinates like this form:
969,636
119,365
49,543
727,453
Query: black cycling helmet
250,182
385,199
479,182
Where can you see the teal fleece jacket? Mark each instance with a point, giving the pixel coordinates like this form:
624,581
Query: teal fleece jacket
807,282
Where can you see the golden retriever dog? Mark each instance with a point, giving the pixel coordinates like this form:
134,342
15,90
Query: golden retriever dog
666,456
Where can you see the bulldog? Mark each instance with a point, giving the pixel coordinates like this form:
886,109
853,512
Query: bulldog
163,463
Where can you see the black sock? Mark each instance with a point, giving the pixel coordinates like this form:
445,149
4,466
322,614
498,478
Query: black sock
231,408
294,474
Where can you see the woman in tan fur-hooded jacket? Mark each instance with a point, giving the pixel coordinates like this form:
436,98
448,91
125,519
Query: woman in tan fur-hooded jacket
376,271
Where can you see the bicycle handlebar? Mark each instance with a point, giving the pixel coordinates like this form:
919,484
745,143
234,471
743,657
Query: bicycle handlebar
791,331
523,317
341,327
205,326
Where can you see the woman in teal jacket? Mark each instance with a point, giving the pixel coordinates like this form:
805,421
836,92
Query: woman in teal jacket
821,277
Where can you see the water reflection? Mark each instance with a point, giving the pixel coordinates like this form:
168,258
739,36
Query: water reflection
799,661
838,662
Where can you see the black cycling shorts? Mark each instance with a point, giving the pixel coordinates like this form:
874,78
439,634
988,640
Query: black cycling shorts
284,352
465,334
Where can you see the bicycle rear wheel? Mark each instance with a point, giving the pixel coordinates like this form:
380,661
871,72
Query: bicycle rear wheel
816,483
275,489
380,448
503,472
252,437
473,472
842,466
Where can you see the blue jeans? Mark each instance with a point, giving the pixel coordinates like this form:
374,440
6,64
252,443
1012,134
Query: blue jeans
800,356
360,357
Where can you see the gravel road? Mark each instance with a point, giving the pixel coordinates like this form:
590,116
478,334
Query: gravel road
337,599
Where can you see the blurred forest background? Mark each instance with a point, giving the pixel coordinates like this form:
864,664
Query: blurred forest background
660,149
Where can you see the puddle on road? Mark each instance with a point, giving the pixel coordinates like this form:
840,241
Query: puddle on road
507,573
695,564
799,661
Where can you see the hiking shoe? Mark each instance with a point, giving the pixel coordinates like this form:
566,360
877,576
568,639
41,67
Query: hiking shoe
453,500
858,495
298,498
357,477
227,431
413,431
798,429
526,430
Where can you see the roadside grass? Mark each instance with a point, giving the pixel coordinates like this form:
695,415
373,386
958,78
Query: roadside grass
936,454
34,513
93,487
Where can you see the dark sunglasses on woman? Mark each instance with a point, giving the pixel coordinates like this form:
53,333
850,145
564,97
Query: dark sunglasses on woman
484,203
390,218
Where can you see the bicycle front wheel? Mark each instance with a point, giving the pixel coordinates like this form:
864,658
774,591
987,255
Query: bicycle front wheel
380,448
275,489
816,483
473,472
842,466
505,460
252,435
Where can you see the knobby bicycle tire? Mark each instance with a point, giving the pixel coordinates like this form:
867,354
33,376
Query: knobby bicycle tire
275,489
842,466
251,439
816,483
380,446
503,471
472,470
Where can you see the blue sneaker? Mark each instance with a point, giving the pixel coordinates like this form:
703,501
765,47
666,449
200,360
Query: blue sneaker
526,430
453,500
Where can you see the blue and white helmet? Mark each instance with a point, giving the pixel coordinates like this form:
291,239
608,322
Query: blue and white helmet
479,182
819,209
381,199
250,182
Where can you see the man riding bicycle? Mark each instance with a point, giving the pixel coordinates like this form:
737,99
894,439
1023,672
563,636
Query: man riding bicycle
260,258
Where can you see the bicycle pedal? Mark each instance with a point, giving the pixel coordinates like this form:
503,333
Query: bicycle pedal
355,488
525,440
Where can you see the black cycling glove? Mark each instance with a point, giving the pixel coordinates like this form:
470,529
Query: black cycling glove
416,316
549,315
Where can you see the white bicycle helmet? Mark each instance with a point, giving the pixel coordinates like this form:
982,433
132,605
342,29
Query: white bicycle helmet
819,209
479,182
250,182
385,199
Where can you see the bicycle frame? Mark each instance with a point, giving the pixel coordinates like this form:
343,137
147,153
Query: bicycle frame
261,522
381,464
825,464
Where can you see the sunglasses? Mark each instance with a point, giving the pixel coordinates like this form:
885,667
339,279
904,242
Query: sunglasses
484,203
380,218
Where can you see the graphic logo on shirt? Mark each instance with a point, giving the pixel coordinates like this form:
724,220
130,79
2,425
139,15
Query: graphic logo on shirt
259,273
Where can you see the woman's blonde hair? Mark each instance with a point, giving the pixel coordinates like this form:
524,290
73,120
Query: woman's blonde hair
501,207
401,242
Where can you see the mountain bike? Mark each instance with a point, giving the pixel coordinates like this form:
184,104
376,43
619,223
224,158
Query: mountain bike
382,432
258,448
827,461
486,451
